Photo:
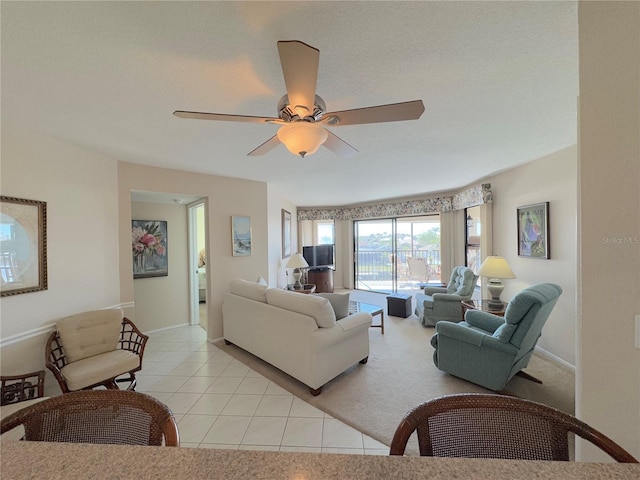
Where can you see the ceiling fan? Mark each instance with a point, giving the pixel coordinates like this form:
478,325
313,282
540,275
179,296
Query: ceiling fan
302,114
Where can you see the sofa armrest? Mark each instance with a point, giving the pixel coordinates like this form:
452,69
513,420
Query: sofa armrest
468,335
431,290
484,320
355,320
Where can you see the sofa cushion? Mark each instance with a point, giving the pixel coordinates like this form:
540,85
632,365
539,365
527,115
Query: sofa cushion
90,333
98,368
339,302
247,289
312,305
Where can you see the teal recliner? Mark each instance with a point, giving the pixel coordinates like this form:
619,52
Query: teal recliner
443,303
489,350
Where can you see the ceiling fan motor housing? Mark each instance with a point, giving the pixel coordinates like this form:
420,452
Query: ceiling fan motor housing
292,113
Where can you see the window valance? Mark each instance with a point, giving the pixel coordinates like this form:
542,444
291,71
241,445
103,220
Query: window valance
476,195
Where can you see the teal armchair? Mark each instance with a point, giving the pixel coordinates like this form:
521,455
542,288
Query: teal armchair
489,350
443,303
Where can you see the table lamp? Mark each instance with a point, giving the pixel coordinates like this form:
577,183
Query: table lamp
495,268
297,262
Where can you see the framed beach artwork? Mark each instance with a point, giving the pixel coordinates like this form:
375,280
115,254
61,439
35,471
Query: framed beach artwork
286,234
533,231
23,246
241,235
149,248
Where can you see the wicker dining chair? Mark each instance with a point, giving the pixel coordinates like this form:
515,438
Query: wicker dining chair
496,426
97,416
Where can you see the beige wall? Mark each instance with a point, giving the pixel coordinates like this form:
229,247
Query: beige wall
226,197
162,302
608,365
80,188
276,277
550,179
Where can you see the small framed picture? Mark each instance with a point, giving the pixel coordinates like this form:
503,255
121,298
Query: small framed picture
241,235
533,231
286,234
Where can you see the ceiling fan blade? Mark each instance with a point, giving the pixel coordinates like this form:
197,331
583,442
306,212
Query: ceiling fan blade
265,147
382,113
300,70
225,117
339,146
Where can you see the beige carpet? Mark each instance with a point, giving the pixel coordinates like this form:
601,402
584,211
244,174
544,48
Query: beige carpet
400,374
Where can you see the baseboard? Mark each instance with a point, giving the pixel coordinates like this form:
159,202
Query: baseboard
214,340
554,358
164,329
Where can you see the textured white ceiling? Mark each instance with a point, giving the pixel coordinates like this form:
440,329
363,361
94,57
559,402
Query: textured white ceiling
499,81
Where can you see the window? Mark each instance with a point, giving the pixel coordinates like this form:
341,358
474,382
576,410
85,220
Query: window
325,232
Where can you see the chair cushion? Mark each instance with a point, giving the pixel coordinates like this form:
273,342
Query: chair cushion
6,410
92,370
339,302
244,288
312,305
90,333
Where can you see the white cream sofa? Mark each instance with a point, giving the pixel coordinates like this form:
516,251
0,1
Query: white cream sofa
294,332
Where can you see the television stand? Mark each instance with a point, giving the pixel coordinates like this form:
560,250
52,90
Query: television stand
322,278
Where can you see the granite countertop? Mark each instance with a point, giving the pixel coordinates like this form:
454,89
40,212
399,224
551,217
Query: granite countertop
21,460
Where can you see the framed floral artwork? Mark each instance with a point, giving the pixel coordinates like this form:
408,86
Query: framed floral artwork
533,231
23,246
149,248
241,235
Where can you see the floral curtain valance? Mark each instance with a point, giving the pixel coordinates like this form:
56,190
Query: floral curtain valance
468,198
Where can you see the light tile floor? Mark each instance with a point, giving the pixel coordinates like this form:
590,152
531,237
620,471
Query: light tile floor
219,402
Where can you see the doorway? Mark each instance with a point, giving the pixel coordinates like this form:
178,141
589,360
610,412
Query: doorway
198,265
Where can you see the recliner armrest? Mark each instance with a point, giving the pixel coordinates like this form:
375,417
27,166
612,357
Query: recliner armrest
431,290
447,297
468,335
484,320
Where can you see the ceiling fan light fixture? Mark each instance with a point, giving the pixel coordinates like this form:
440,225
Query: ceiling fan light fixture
302,138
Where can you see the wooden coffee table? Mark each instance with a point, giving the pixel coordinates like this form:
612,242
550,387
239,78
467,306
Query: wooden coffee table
355,307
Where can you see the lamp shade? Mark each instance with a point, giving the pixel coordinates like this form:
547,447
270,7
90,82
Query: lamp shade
495,267
297,261
302,138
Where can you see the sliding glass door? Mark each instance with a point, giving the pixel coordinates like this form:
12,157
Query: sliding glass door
374,245
396,254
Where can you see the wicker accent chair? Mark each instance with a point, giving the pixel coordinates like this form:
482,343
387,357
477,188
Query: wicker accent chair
93,348
478,425
97,416
18,392
22,388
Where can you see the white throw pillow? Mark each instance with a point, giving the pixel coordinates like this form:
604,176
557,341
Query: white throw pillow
339,302
262,281
248,289
312,305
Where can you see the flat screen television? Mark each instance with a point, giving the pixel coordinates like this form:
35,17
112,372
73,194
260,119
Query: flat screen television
319,256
